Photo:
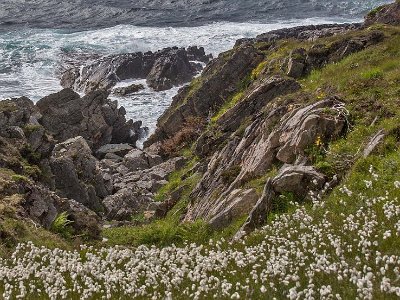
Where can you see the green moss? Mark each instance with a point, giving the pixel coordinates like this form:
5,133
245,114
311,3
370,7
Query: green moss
20,178
257,71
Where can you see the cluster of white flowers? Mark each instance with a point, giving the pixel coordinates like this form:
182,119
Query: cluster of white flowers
301,255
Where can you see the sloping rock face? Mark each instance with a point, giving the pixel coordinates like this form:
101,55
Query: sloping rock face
164,68
387,14
219,81
254,154
66,115
76,173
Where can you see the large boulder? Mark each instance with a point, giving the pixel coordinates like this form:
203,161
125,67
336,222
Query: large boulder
76,173
170,69
66,115
126,203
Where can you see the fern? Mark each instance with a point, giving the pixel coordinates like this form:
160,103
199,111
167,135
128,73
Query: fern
61,224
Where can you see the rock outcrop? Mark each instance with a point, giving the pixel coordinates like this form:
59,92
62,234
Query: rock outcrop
254,154
94,117
163,69
76,173
220,80
386,14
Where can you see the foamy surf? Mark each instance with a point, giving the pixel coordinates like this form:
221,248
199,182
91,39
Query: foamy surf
31,59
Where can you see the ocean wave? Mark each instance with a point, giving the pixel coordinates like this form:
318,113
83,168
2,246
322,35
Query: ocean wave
90,14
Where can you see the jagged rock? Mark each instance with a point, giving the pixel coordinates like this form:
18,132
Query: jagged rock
136,160
238,203
126,90
386,14
76,173
324,119
16,114
260,95
125,203
43,206
170,69
195,53
66,115
296,179
283,134
113,149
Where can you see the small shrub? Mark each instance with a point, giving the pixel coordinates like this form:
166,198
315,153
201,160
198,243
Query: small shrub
186,135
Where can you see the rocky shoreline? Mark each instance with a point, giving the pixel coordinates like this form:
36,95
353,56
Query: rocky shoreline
241,119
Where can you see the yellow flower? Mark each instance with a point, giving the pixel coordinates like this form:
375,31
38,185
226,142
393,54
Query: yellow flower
318,141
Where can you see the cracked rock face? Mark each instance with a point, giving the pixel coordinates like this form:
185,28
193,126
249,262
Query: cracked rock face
262,144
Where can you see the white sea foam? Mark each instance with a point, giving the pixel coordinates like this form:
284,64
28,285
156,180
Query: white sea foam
30,59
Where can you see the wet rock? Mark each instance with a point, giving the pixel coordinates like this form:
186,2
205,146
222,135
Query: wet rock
195,53
126,90
105,72
172,68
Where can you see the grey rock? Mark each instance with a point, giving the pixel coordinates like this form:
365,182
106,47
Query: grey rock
125,203
239,203
76,173
127,90
117,149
